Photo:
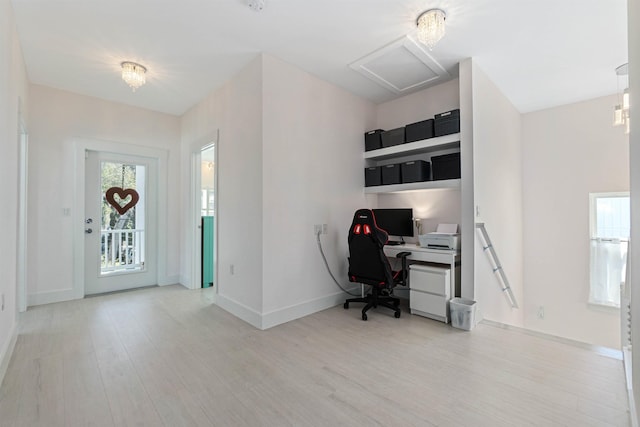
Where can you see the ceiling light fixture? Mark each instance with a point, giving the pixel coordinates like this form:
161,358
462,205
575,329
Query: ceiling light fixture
621,111
431,27
133,74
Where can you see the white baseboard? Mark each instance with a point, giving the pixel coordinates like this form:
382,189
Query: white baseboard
287,314
633,415
603,351
7,351
280,316
241,311
50,297
169,280
184,280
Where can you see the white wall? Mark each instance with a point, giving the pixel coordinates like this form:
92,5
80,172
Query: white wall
467,192
57,118
13,86
418,106
289,156
236,110
569,152
633,15
312,174
497,181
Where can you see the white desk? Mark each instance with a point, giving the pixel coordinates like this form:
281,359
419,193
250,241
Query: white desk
437,256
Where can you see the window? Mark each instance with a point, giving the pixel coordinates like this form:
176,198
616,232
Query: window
610,229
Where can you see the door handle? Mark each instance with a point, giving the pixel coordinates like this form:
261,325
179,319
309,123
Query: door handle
88,230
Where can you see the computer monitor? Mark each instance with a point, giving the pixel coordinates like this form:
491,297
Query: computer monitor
396,222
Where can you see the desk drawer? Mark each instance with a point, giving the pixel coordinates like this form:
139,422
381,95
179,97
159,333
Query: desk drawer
432,256
429,304
426,278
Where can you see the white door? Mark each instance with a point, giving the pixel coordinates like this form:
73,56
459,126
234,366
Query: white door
120,222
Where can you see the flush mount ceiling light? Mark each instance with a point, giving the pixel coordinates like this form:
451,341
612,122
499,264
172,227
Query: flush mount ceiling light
133,74
431,27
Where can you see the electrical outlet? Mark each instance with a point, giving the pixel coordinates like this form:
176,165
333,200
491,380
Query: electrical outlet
317,228
232,269
324,228
2,302
540,312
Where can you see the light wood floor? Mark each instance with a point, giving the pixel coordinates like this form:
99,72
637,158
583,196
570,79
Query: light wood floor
167,356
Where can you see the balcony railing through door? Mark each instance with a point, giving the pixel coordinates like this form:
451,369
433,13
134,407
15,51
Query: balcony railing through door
122,250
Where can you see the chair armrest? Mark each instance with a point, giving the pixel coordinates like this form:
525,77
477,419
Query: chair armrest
403,254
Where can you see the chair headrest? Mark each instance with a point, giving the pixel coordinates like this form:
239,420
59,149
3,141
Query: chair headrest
364,216
364,222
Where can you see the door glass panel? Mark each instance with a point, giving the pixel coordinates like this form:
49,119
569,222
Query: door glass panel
122,240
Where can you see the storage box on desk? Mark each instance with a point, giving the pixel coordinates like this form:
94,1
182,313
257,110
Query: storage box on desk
372,176
446,166
447,123
391,174
373,140
415,171
393,137
419,131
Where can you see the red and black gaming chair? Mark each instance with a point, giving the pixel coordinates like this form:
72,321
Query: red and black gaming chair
369,265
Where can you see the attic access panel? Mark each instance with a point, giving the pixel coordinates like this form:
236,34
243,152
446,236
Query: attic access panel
402,67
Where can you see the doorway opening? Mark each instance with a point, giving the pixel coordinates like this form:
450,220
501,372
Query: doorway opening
21,249
207,215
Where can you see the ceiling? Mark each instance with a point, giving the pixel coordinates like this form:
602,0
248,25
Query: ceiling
539,53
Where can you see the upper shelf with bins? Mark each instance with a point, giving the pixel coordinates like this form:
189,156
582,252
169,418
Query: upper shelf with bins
418,147
413,186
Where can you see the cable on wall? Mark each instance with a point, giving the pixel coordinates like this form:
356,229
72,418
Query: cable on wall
326,264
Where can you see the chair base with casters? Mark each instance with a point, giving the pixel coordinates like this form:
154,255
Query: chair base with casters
382,296
375,299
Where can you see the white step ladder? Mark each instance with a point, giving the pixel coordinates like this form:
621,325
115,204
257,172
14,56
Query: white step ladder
487,247
625,303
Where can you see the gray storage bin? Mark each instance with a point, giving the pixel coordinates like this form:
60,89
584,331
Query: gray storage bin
463,313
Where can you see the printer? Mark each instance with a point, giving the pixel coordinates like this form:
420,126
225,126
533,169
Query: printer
446,236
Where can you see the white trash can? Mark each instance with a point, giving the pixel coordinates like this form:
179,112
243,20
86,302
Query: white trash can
463,313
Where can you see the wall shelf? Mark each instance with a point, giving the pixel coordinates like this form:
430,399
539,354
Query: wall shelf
417,147
414,186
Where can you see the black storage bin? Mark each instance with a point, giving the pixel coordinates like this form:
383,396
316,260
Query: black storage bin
391,174
415,171
447,123
419,131
372,176
373,140
446,166
393,137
